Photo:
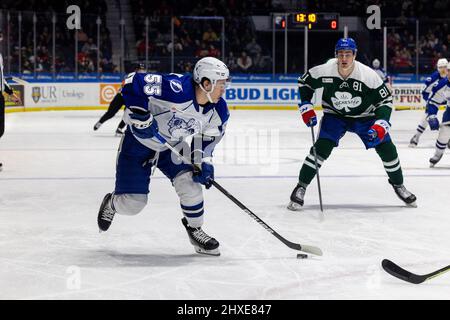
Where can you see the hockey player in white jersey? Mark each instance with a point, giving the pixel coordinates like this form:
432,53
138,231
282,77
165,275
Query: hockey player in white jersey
430,83
376,66
440,95
176,108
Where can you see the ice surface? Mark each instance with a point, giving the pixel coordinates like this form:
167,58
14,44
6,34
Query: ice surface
57,170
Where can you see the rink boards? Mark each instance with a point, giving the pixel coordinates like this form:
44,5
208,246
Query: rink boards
246,95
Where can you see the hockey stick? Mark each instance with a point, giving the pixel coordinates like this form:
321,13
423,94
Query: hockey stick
398,272
292,245
317,172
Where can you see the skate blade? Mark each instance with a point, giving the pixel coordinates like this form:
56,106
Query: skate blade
412,204
412,145
214,252
294,206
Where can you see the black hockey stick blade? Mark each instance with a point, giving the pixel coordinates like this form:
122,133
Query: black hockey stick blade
400,273
296,246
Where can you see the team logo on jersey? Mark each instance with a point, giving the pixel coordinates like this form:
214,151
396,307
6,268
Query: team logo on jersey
345,101
176,86
344,85
180,128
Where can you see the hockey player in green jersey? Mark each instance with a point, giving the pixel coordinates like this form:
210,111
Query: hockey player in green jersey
354,99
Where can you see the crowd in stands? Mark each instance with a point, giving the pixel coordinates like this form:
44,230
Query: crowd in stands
401,15
246,50
196,38
434,42
42,61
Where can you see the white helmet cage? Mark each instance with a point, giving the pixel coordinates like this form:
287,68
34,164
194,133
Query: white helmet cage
212,69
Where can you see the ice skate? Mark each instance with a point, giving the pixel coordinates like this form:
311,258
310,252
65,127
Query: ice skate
404,195
435,159
297,196
106,213
202,242
1,166
119,132
97,125
414,141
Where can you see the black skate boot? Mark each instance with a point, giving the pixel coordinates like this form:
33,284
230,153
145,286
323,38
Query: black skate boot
435,159
414,141
106,213
297,196
202,243
119,132
1,166
404,195
97,126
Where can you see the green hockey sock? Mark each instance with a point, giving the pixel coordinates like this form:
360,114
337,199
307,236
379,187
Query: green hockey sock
308,170
391,163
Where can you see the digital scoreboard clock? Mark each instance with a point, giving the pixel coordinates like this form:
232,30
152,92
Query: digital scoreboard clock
315,20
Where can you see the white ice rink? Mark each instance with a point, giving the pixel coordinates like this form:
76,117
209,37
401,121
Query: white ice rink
57,170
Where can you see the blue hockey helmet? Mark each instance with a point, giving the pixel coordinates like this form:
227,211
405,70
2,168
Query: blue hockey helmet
346,44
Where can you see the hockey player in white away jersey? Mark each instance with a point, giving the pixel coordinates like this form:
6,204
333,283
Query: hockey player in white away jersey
440,95
178,108
430,83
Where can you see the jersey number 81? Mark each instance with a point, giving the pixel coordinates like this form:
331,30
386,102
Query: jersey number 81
153,87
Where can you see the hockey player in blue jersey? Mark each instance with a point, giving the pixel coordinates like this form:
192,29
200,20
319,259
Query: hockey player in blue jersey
430,82
177,108
440,95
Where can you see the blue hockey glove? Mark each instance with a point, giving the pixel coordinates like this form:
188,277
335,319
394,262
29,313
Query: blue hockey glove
143,125
433,122
206,175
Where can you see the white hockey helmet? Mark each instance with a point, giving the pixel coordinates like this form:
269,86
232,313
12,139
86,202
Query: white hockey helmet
212,69
376,63
442,63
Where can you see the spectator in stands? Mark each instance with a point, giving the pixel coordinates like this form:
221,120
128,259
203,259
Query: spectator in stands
232,62
260,63
253,48
82,37
202,50
89,46
244,62
210,36
213,51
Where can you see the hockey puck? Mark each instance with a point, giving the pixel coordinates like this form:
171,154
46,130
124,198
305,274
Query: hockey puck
302,256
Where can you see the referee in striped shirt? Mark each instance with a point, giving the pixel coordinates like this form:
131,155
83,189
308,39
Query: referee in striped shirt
4,87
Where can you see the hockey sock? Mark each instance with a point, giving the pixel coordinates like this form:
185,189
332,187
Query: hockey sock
423,124
308,170
442,140
391,163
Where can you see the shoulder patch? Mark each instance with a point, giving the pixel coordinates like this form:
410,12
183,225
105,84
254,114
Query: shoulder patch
176,85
